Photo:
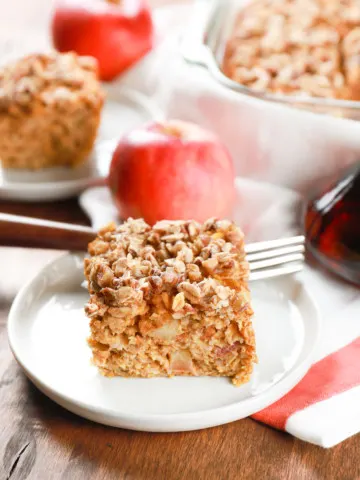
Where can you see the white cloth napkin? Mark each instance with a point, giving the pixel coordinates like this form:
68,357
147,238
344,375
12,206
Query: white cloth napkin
292,149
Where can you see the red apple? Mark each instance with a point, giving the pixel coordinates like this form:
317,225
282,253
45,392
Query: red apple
172,170
117,33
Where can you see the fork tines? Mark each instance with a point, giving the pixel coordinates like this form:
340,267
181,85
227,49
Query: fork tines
275,257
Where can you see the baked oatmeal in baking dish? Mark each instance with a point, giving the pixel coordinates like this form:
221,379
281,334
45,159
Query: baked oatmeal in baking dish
50,109
307,48
171,299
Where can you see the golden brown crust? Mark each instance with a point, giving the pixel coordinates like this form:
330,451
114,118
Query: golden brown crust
50,109
170,300
297,47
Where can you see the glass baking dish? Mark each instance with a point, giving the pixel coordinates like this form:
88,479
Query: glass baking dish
204,44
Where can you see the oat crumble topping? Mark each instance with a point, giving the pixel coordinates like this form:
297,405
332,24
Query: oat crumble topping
297,47
48,79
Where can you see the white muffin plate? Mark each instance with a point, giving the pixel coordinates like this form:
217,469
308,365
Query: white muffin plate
48,330
123,110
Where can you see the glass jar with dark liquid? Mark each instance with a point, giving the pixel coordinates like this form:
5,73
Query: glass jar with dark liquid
332,225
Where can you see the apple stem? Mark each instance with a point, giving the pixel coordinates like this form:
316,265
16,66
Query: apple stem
172,130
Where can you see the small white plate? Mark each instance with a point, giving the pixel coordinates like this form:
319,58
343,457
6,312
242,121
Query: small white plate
123,110
48,330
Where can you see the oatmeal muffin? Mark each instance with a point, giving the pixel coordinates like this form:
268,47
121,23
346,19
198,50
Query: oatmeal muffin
50,109
305,48
171,299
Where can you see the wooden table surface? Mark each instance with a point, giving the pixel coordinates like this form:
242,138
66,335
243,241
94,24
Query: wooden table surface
40,440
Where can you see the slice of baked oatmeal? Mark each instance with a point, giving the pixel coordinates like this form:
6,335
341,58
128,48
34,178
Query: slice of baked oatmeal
50,108
170,300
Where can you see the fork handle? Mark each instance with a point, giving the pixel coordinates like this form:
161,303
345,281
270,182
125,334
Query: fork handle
18,231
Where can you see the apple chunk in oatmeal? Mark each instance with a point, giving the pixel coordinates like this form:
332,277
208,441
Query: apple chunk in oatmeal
169,300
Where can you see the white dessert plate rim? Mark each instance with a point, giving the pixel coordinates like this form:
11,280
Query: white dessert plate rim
167,422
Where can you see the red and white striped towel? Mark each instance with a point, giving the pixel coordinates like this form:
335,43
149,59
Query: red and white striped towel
324,407
292,149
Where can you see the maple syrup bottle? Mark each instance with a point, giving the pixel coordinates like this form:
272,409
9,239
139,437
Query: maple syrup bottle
332,225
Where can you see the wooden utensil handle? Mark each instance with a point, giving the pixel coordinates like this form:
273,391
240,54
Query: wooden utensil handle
18,231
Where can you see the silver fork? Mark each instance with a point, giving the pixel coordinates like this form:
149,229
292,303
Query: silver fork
274,258
267,259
